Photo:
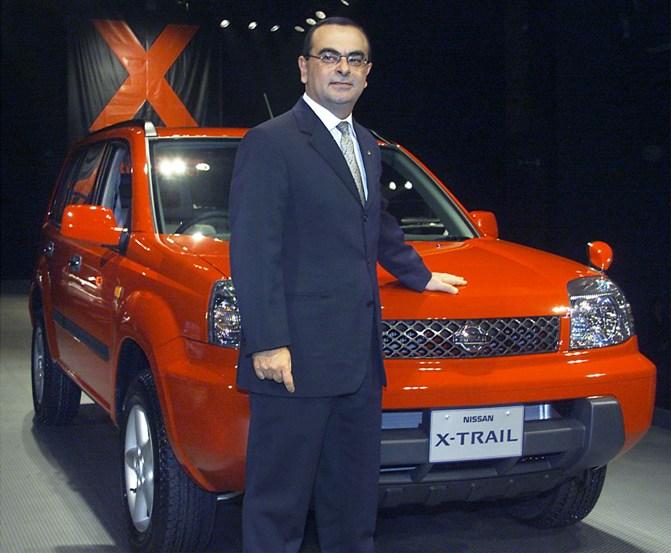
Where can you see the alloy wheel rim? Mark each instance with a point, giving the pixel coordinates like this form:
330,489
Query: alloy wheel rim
139,468
38,365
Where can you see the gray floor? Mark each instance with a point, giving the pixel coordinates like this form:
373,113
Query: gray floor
58,488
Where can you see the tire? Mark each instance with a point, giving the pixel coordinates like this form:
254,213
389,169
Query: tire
164,509
55,397
564,505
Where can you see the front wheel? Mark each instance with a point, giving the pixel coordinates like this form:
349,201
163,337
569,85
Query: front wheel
56,398
564,505
165,510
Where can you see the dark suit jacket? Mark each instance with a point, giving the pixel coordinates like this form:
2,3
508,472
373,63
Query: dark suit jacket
304,253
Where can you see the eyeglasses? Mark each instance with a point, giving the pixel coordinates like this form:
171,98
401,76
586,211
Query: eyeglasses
331,57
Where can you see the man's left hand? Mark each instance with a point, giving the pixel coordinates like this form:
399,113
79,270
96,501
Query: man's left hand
445,282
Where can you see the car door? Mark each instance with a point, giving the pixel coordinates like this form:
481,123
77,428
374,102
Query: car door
83,300
60,252
53,256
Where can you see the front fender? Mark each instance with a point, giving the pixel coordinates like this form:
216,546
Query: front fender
203,413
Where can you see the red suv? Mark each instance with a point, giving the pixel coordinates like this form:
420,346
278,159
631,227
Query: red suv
523,387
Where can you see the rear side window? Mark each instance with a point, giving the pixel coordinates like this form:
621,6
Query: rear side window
79,183
58,203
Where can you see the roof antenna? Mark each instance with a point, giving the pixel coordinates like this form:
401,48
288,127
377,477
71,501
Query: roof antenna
270,111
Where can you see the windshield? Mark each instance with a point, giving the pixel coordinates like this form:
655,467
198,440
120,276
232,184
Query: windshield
191,179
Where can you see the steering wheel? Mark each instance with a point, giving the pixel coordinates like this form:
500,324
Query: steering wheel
214,214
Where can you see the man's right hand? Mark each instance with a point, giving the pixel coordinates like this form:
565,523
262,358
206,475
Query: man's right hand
274,364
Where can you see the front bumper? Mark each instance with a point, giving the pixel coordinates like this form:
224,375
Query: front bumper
581,434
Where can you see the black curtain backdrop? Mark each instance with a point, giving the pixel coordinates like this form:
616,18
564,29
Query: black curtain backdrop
95,73
555,115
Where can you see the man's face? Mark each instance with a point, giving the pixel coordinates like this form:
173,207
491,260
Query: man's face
337,87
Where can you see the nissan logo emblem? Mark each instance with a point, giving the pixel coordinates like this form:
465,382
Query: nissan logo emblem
471,338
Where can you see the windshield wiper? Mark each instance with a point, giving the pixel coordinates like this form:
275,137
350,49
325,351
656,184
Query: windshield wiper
421,222
423,226
453,238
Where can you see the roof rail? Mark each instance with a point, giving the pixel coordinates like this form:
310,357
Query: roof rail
148,126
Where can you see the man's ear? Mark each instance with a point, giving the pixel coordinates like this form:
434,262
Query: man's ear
368,68
303,67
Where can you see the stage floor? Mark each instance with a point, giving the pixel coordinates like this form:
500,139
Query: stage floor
58,487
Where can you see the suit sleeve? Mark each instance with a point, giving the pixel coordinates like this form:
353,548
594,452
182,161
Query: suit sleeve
258,203
397,257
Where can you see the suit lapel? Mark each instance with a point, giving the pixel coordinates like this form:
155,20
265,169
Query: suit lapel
322,141
367,147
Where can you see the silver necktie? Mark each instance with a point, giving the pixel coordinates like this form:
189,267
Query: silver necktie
347,147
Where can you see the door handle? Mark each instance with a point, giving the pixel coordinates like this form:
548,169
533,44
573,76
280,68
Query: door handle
75,263
48,248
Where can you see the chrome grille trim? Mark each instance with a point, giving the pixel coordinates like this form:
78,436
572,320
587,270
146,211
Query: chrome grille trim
469,338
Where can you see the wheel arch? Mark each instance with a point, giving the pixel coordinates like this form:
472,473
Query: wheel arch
39,306
147,323
35,303
131,362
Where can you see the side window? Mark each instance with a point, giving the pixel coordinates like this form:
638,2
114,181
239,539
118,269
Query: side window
83,189
116,189
78,185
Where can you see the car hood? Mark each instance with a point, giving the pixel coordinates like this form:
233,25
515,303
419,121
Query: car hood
504,279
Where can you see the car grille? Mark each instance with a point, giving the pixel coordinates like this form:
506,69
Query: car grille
446,338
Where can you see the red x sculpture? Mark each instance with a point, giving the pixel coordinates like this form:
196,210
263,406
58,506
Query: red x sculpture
146,72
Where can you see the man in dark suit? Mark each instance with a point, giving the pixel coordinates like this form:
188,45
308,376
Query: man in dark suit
307,231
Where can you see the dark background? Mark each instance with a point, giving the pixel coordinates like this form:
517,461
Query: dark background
554,115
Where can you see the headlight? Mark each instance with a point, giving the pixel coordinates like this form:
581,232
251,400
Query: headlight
224,317
600,314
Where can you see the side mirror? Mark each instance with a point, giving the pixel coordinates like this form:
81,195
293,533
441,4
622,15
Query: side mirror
91,223
600,255
485,222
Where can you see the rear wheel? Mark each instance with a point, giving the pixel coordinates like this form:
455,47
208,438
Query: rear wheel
564,505
55,397
165,510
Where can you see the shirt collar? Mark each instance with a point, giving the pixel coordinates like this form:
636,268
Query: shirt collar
330,121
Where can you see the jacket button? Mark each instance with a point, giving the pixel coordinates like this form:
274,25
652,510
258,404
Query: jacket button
365,218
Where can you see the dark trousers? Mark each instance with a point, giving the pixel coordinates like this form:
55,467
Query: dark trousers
329,447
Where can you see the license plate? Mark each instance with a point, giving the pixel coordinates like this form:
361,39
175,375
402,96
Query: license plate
471,434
